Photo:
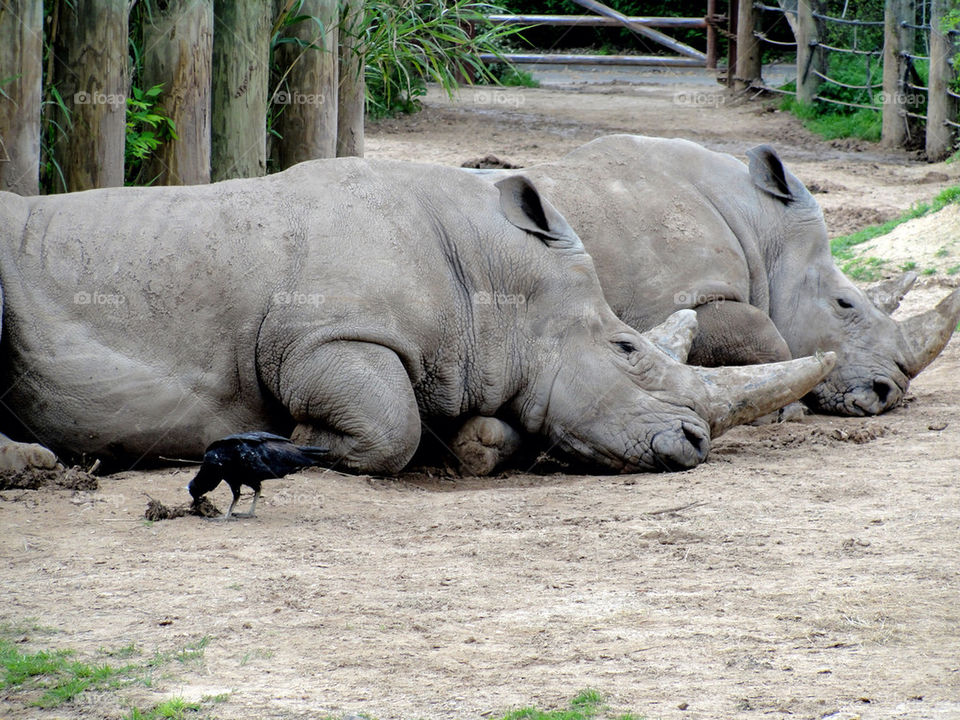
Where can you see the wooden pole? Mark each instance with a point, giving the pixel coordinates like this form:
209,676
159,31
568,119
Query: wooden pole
21,60
733,14
809,55
655,35
91,74
241,62
895,43
178,52
748,47
711,35
307,101
940,105
352,91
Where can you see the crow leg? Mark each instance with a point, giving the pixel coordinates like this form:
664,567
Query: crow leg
253,506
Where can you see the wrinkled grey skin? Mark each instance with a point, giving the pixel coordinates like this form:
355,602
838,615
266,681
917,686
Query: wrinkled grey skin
673,225
344,301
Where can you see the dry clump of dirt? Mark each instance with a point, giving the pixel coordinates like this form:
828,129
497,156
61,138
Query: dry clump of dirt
490,162
72,478
201,507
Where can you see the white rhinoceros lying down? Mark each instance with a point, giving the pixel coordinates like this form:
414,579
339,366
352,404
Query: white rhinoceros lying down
344,301
673,225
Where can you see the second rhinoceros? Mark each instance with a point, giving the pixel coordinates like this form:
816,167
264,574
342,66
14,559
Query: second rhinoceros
673,225
344,301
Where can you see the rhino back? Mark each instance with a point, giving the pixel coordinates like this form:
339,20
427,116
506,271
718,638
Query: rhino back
664,222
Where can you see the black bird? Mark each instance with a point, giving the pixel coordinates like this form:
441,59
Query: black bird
247,459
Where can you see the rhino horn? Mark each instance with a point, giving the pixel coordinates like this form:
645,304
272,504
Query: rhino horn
675,334
887,294
738,395
925,335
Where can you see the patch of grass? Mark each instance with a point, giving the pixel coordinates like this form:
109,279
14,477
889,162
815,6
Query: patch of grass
175,708
514,77
52,678
841,246
586,705
865,269
909,265
929,271
953,270
863,124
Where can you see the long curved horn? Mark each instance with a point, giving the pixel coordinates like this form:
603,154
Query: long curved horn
675,334
887,294
737,395
925,335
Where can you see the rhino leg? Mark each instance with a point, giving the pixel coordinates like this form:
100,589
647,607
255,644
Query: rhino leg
735,333
483,443
356,399
16,456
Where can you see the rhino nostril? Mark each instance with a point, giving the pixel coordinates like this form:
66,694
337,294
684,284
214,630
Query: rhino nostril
882,390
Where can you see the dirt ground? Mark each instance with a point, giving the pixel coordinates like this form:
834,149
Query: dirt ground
806,570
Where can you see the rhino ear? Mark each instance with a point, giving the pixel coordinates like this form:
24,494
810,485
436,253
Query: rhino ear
528,210
768,173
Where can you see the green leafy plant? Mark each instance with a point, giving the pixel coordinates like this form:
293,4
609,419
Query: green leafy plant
148,127
405,43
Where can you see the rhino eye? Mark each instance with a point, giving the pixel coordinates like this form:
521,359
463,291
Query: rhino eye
844,304
627,346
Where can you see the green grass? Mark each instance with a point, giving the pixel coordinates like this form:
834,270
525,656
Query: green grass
514,77
863,124
868,268
175,708
586,705
53,678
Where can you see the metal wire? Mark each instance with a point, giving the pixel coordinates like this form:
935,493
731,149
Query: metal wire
847,104
843,21
905,24
853,51
772,8
914,57
917,87
845,85
907,113
773,42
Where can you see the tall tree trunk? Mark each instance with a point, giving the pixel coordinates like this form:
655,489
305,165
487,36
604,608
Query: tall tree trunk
241,67
307,122
21,59
91,74
353,90
178,52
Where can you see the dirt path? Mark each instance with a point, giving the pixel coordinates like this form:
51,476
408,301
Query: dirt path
814,571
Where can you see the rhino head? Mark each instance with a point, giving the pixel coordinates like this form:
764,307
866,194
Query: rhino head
603,392
816,308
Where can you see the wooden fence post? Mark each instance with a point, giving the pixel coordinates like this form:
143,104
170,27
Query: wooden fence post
940,105
748,47
896,41
178,51
241,68
352,91
92,77
307,101
21,94
809,53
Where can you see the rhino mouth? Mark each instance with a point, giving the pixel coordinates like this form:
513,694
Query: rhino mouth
861,397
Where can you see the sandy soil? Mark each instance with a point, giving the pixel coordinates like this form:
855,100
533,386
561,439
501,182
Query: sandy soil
812,570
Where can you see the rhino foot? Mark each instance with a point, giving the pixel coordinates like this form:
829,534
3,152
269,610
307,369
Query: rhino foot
17,456
483,443
793,412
